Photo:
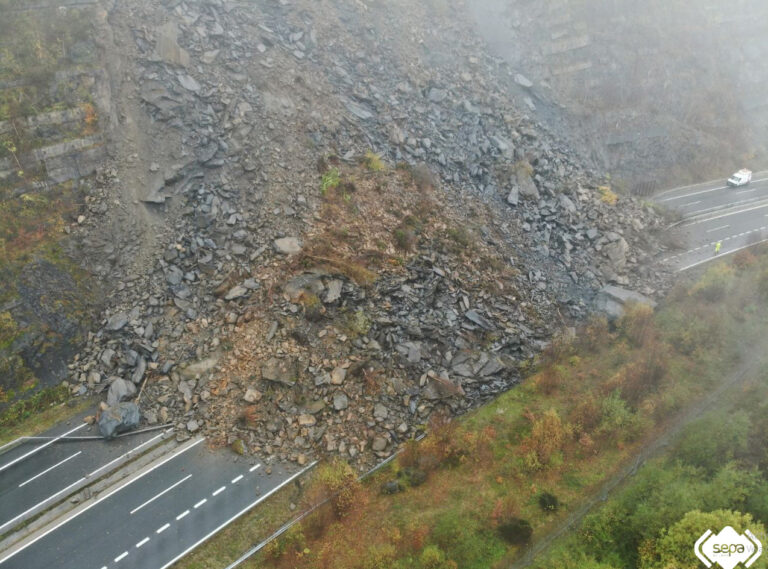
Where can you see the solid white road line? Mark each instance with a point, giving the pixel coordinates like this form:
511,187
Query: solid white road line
162,529
692,194
171,487
237,479
252,468
718,228
725,215
181,450
744,191
47,470
182,515
145,443
237,515
701,191
219,491
696,264
142,542
120,557
200,503
75,483
41,447
48,499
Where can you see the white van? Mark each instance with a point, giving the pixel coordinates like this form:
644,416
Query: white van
740,178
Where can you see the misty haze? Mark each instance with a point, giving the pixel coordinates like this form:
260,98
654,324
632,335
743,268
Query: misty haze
373,284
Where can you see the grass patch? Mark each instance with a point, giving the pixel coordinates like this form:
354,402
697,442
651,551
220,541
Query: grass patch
607,196
373,162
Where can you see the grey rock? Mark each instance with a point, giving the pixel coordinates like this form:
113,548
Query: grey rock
280,371
379,444
139,370
334,291
617,254
380,411
193,426
120,390
523,81
252,395
288,245
359,110
108,357
338,375
567,204
117,322
340,401
119,419
612,300
437,95
235,292
477,318
189,83
174,275
195,369
513,198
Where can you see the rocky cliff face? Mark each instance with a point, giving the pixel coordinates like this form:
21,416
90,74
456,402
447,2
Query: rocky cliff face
656,93
330,222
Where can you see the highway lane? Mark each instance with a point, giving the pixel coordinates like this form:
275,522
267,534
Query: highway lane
38,474
154,520
735,230
712,212
712,196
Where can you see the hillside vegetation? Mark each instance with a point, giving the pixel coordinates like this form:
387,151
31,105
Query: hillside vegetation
477,491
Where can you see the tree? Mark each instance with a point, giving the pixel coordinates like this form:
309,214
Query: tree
673,549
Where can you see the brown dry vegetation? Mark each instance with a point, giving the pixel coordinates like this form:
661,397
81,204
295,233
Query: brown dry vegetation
472,491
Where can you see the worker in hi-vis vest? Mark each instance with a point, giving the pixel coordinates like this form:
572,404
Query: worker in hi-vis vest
718,245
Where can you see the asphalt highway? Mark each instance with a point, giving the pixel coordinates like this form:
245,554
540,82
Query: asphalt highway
37,474
154,519
712,212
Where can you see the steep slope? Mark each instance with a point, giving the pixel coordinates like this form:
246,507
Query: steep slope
251,131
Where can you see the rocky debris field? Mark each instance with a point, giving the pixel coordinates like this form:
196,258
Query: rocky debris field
352,226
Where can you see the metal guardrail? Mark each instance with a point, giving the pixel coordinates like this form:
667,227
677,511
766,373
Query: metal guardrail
284,528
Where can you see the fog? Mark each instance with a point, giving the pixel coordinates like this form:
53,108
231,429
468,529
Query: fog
654,93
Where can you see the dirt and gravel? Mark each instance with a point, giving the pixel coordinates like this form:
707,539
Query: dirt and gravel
320,222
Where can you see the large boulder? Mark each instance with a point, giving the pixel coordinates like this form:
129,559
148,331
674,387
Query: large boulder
120,390
612,301
119,419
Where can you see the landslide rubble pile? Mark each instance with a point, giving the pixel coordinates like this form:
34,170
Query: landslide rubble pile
307,295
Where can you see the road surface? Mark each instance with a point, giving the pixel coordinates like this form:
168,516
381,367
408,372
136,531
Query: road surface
35,475
712,212
153,519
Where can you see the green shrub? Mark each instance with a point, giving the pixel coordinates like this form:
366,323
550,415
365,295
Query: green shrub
714,284
516,531
548,502
373,161
379,556
331,180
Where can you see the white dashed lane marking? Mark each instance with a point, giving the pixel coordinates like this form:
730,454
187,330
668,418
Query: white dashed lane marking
156,496
714,243
185,513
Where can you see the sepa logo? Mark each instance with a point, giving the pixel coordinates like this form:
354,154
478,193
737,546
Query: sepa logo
728,548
